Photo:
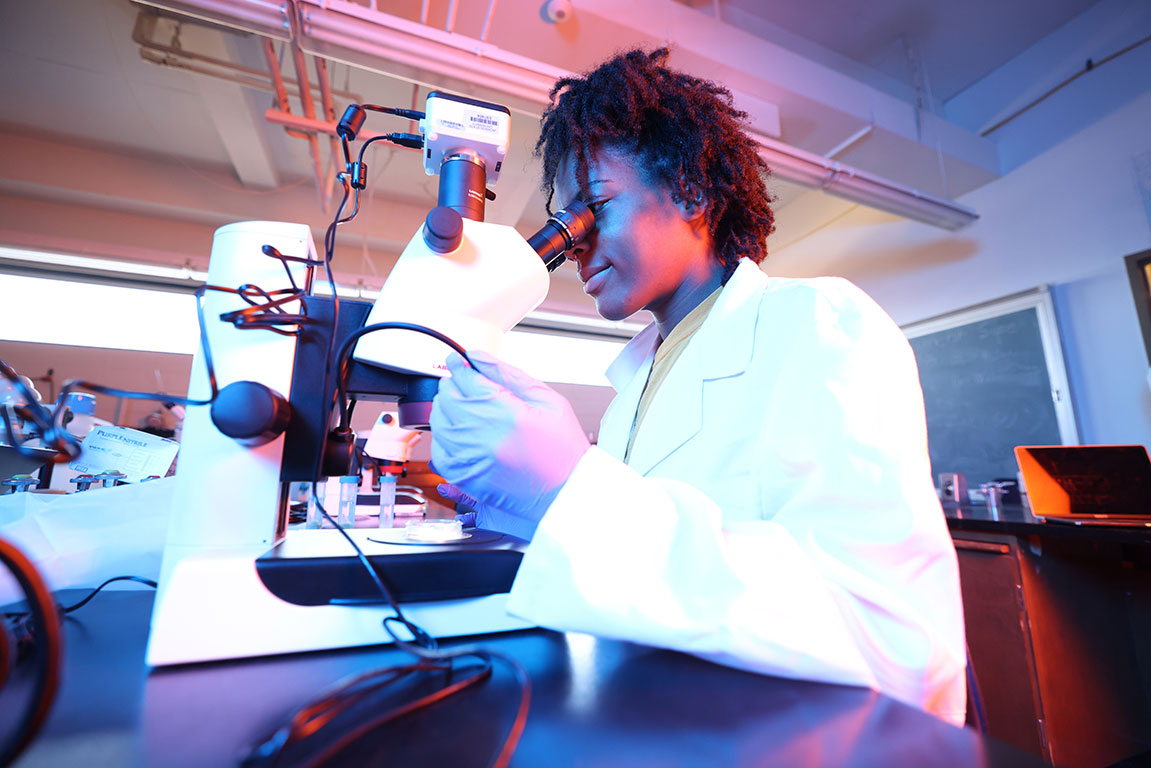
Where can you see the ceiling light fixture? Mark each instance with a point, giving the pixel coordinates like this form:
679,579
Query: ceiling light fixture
260,17
815,172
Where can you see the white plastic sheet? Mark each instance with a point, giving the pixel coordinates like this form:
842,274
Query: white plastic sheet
81,539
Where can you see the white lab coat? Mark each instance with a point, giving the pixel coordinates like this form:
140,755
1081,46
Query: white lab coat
778,513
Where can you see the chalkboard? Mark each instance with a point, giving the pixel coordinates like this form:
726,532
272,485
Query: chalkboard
987,388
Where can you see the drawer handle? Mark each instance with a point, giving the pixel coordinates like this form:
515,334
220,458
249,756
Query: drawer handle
982,546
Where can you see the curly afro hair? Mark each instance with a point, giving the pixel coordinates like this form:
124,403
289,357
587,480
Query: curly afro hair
684,133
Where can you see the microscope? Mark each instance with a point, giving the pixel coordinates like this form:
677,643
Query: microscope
235,581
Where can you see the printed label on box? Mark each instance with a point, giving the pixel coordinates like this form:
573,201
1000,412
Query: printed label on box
137,454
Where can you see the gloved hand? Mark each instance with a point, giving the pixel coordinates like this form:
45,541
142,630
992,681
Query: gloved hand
471,512
503,438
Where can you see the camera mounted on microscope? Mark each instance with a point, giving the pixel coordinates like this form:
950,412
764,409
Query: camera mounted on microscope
465,142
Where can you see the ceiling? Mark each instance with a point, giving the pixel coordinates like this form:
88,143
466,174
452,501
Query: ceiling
956,44
156,134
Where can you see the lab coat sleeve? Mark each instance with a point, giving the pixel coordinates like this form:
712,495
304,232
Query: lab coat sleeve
846,576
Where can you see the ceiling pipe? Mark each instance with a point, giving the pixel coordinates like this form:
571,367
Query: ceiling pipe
390,39
179,58
281,93
309,107
260,17
399,40
330,116
453,6
305,125
173,62
849,142
488,21
844,181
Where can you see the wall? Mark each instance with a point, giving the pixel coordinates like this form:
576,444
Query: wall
1065,218
119,368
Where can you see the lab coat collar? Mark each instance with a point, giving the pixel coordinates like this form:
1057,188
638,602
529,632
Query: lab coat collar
721,347
636,354
725,322
727,336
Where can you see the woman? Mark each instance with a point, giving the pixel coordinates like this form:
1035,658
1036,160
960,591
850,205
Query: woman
760,494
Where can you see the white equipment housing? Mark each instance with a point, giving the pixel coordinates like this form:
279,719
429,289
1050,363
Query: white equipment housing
473,294
229,510
454,124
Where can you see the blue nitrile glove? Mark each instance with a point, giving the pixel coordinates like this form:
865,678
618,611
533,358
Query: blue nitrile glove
471,512
503,438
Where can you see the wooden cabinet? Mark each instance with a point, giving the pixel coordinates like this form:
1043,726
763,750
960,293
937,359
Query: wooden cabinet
1057,629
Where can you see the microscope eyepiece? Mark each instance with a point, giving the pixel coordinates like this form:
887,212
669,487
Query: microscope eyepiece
562,232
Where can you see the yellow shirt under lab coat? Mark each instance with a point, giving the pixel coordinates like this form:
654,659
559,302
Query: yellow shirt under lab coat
666,354
777,513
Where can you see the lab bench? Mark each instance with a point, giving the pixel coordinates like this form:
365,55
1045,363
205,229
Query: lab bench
594,702
1058,621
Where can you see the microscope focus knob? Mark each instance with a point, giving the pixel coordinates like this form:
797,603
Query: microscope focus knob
443,229
250,413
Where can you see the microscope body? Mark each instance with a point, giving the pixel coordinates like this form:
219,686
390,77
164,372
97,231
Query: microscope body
235,582
473,293
230,560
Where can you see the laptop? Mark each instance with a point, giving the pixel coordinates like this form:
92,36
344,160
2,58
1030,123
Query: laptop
1088,484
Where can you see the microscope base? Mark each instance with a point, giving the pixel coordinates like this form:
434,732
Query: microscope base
213,606
314,567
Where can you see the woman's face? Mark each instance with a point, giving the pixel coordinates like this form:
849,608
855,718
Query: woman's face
647,251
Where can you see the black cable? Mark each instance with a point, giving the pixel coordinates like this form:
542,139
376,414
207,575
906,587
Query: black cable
48,638
66,445
94,592
411,114
62,610
347,152
348,346
40,625
10,373
57,423
341,697
271,315
359,171
267,316
329,254
351,735
368,143
50,424
308,720
421,637
313,717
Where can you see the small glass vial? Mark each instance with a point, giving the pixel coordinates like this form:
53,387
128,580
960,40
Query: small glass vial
387,500
994,495
349,490
315,517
